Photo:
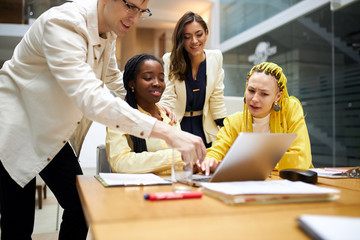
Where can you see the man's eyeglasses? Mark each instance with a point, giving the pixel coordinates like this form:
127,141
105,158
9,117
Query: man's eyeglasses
134,10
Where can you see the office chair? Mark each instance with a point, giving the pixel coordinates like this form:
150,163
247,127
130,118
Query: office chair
233,104
102,164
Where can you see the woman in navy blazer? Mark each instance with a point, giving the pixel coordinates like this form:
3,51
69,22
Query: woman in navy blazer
194,79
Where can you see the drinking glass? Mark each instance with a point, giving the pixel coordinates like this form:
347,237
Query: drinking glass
181,172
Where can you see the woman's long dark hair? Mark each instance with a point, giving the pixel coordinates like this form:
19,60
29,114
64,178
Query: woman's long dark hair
179,59
131,71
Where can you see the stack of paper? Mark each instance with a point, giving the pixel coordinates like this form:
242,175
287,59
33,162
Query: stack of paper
266,192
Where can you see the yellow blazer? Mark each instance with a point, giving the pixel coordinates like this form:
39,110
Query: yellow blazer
297,156
174,96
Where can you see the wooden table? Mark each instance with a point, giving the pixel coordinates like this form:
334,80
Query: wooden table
122,213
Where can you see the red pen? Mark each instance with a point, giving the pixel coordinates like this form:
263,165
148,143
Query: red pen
171,195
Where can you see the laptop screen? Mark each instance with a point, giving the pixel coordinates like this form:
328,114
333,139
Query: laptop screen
252,156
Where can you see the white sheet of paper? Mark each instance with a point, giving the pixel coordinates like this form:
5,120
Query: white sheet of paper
326,173
113,179
267,187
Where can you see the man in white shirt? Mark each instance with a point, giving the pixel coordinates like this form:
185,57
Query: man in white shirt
51,90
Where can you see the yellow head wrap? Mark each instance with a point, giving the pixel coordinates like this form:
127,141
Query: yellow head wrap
276,117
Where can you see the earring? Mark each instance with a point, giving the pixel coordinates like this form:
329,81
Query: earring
132,89
276,106
244,99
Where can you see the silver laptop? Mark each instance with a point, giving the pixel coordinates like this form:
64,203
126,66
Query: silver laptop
251,157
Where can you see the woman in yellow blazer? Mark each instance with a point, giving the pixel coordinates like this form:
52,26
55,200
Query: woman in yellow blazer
194,79
268,108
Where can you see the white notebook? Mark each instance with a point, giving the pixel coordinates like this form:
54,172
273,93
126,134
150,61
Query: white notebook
330,227
125,179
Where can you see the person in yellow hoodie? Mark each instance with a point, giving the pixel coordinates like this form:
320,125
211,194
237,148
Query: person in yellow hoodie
268,108
144,84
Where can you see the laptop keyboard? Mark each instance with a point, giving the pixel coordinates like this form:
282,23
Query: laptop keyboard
201,178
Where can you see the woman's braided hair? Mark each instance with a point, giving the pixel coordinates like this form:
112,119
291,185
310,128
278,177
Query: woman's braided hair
131,71
272,69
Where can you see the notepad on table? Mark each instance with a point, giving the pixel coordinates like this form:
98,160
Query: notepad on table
330,227
127,179
268,192
330,172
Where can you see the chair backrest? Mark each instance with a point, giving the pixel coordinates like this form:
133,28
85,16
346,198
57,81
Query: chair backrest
102,164
233,104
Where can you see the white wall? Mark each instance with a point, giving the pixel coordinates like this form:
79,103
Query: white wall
95,137
233,104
